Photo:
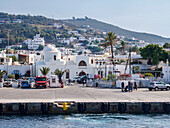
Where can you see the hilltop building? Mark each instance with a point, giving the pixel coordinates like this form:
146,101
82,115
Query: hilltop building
36,42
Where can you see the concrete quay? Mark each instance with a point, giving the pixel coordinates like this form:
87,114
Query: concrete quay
79,99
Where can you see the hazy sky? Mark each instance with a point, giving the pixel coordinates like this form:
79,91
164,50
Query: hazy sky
152,16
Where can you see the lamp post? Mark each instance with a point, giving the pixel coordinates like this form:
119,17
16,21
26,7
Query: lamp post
105,67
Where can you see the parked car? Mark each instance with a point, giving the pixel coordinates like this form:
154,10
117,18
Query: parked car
7,83
75,79
81,79
25,84
158,85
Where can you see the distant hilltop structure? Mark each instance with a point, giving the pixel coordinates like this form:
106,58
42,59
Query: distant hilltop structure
35,43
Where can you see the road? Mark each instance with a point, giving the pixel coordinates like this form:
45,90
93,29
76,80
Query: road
78,93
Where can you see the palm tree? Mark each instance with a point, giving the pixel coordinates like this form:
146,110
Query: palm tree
123,46
58,72
45,70
2,72
111,39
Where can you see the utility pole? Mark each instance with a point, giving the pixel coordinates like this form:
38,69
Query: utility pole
8,59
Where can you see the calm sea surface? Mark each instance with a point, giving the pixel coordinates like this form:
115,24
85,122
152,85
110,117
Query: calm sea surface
86,121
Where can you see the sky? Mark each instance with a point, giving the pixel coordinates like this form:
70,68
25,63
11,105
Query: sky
150,16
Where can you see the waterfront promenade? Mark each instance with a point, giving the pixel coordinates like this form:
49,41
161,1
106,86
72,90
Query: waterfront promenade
78,93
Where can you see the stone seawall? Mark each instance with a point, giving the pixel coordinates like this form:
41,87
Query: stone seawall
84,107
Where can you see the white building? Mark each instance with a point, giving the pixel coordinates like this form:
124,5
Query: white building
58,25
17,21
76,65
74,32
34,44
82,38
166,73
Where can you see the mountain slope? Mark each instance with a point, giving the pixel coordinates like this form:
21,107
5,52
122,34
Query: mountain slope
108,27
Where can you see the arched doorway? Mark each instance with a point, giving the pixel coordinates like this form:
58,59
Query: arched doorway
82,73
17,74
82,63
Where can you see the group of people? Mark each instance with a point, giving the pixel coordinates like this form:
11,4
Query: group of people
130,87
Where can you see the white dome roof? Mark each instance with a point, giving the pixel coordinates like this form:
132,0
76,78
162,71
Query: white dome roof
50,48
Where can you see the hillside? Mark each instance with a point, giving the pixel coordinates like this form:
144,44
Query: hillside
29,27
122,32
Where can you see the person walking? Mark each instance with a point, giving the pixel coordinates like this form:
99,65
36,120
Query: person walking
122,85
69,81
84,81
129,84
135,85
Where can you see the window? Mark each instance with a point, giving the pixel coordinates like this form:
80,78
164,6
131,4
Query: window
67,75
54,57
110,72
82,63
53,80
91,61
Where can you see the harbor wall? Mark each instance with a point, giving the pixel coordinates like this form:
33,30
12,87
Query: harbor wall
85,107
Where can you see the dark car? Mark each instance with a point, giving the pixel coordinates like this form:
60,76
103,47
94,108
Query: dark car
81,79
75,79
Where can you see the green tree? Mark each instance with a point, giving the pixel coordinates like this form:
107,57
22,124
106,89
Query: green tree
166,45
135,49
45,70
2,72
13,58
155,52
94,49
40,47
111,40
149,75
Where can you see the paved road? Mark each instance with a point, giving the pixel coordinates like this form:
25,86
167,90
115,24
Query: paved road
81,94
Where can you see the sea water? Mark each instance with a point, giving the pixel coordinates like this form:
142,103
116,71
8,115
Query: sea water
86,121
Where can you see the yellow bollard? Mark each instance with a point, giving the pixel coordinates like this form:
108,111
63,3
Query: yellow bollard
65,106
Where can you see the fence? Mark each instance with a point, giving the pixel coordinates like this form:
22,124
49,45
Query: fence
100,83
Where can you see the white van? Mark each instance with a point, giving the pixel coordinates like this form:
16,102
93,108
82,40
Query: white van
54,82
